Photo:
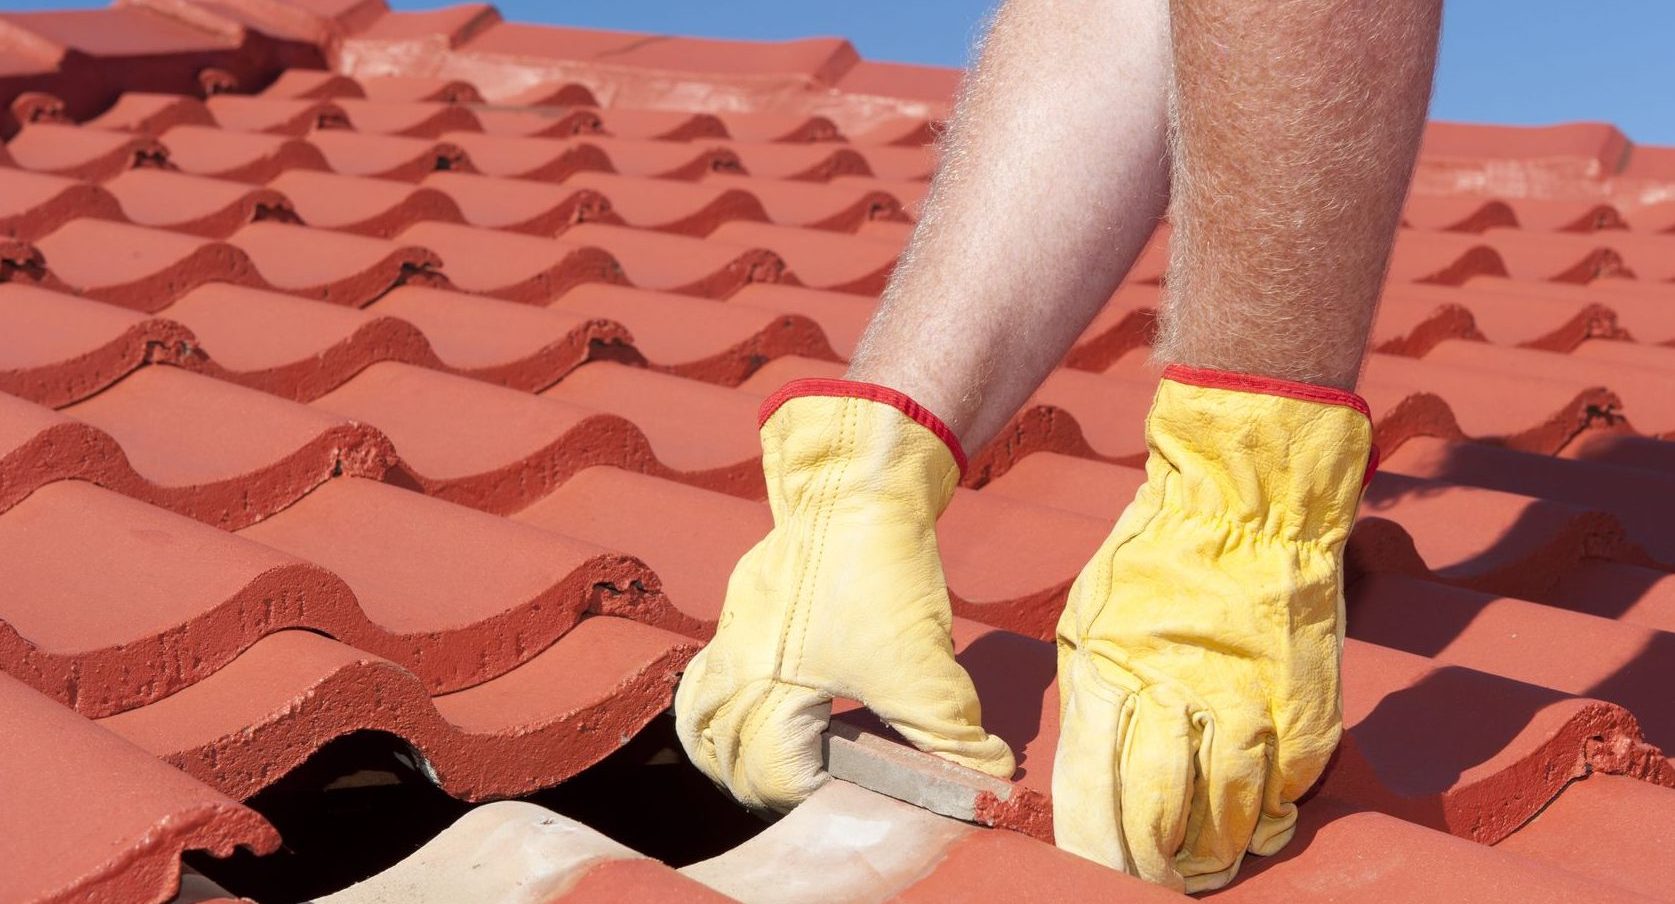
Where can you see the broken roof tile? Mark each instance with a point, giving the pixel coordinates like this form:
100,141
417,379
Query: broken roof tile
261,715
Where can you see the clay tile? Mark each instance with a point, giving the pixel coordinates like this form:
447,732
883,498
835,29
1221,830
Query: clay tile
717,342
35,204
82,153
661,159
838,207
39,446
1641,382
289,346
1457,214
780,127
1415,864
33,107
702,434
454,595
423,119
517,345
660,125
935,84
1127,322
506,849
911,194
1525,641
312,84
808,162
905,131
536,122
1655,218
1414,317
238,156
1441,257
134,817
333,266
543,159
550,94
906,163
669,206
156,268
275,116
511,266
533,727
518,205
1628,593
389,156
819,259
714,267
1637,498
67,348
189,593
691,546
842,317
483,445
1569,257
212,208
1558,215
1608,828
1518,409
374,207
1489,540
779,371
222,453
152,114
392,89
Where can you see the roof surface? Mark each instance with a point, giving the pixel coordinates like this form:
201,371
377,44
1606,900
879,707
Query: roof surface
397,371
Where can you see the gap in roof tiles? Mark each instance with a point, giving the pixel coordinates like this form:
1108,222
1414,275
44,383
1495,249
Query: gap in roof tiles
362,803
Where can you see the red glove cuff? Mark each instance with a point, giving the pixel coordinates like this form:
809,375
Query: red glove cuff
1307,392
872,392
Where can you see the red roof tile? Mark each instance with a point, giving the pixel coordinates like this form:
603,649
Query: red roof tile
419,396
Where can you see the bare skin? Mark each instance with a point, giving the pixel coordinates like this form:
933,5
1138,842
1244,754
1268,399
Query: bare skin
1295,130
1048,190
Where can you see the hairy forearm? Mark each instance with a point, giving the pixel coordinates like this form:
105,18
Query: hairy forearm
1054,173
1296,128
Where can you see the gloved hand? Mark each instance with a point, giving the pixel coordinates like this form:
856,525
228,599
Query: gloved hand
1199,650
844,597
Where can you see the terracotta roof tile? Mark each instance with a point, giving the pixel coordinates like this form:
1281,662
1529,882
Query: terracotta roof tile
135,816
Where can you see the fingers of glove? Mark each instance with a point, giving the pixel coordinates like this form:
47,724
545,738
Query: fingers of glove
762,743
1157,772
934,705
1226,803
1122,781
1087,812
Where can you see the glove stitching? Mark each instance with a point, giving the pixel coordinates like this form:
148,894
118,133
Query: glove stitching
825,500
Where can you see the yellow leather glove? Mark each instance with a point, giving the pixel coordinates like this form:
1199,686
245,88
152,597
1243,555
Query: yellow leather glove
845,597
1199,650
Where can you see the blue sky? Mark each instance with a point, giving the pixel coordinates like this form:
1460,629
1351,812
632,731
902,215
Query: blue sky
1509,61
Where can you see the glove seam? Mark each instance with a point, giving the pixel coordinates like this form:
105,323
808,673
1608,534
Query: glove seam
871,392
